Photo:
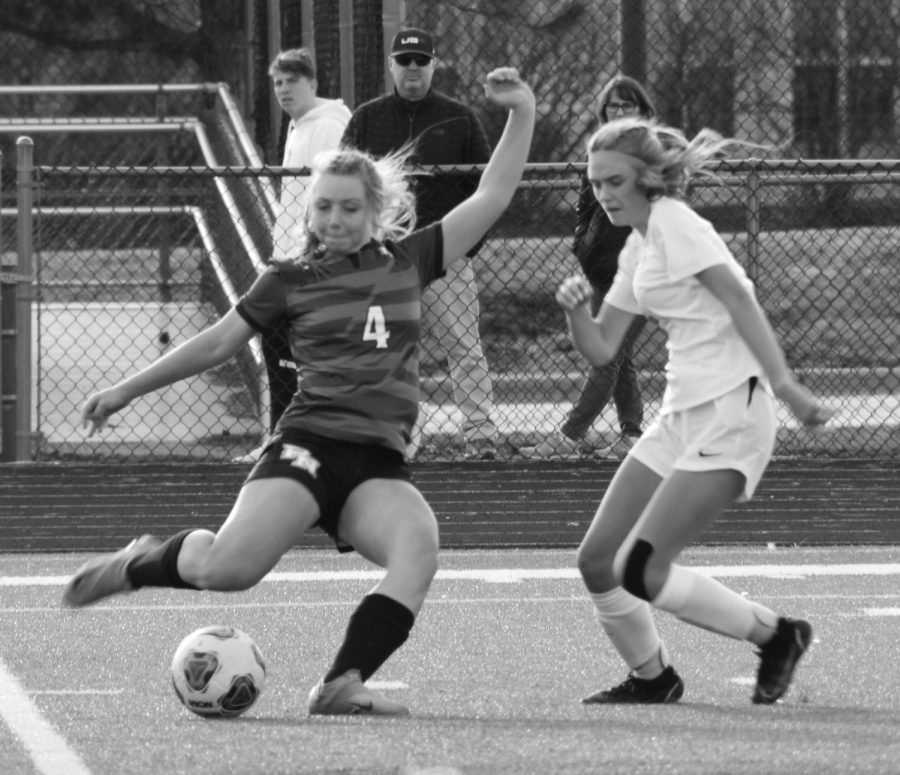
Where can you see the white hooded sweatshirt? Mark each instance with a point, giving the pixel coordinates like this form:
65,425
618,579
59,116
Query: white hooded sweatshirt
319,129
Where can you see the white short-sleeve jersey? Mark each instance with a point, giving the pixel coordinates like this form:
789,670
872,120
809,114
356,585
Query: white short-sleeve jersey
657,277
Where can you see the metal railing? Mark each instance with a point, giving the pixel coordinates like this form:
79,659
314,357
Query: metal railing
248,156
830,290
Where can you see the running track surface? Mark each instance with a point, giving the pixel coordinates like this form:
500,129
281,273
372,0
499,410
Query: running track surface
80,507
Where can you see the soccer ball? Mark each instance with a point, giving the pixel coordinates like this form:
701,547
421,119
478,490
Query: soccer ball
218,671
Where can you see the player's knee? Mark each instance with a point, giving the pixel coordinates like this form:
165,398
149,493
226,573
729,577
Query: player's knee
641,570
595,563
630,568
410,572
213,576
194,556
215,570
424,556
414,552
421,571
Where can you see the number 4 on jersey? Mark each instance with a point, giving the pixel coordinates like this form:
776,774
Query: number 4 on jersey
376,330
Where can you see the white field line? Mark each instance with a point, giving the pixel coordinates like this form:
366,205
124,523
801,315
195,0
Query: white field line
75,692
49,751
516,575
387,685
893,611
221,603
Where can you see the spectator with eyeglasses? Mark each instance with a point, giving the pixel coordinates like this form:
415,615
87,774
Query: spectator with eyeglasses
441,131
597,245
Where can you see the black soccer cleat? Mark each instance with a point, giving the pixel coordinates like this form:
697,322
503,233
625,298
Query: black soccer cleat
665,688
778,659
106,575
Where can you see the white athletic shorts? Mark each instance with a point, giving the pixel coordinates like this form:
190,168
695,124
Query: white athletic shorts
736,431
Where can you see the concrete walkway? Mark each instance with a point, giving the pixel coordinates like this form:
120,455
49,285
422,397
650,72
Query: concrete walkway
82,347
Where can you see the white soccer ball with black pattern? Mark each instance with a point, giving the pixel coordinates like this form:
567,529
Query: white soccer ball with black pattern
218,672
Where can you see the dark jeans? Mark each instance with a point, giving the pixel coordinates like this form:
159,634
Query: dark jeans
616,379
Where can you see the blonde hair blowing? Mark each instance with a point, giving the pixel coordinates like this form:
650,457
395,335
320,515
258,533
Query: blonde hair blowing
668,160
385,186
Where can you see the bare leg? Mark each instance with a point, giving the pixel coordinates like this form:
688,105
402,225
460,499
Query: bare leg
268,518
390,523
625,619
683,507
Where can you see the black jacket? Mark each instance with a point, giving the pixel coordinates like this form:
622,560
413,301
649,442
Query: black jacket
597,242
444,132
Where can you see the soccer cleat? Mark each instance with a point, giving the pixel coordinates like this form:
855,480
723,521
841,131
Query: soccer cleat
666,687
347,695
252,456
559,446
778,659
255,454
107,575
618,449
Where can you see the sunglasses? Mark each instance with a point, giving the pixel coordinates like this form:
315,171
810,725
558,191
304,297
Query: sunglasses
405,60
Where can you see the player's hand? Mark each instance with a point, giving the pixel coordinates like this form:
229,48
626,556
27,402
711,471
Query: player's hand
574,292
505,88
100,406
804,405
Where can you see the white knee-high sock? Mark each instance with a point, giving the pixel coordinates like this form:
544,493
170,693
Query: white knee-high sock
703,601
628,623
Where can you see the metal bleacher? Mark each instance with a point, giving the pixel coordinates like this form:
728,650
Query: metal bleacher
233,222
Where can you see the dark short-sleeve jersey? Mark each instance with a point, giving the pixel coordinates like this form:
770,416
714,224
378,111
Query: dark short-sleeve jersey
353,327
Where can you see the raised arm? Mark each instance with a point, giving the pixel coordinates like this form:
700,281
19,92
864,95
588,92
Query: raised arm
466,223
753,326
209,348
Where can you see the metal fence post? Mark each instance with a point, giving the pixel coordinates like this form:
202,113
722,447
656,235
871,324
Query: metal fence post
754,184
348,77
633,38
24,296
8,271
4,423
392,15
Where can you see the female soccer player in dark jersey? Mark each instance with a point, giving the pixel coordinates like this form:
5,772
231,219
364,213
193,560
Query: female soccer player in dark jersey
337,460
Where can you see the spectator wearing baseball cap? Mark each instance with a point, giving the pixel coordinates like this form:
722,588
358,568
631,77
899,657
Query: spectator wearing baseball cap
442,131
413,41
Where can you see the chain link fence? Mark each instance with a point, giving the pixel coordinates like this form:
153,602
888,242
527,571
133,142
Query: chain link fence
107,303
145,233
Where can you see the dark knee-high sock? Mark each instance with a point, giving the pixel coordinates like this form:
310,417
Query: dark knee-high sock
159,566
377,628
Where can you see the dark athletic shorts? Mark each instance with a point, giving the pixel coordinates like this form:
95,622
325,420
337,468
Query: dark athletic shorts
328,468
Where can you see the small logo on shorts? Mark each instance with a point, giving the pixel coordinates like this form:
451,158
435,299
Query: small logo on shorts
300,458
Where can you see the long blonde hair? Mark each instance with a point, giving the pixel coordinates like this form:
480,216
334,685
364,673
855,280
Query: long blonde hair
385,185
668,159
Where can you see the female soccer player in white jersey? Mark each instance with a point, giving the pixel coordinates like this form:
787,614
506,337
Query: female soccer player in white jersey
716,429
337,460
